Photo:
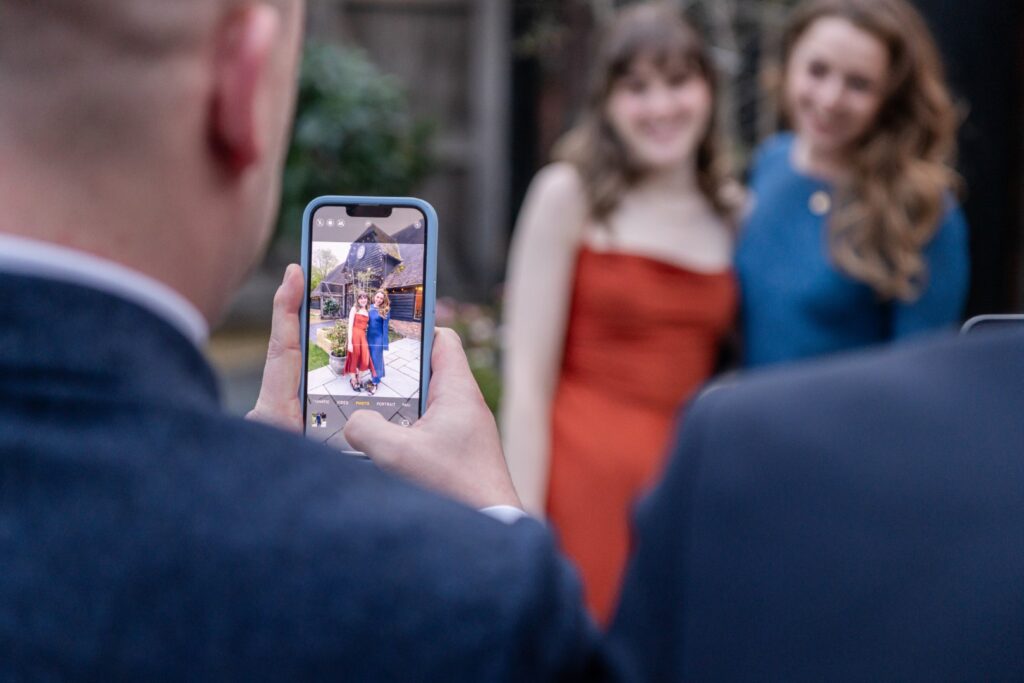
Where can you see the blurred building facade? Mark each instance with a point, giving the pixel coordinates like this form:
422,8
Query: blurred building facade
502,79
982,42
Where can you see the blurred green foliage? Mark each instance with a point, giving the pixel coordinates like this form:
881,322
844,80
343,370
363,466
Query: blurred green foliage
329,308
354,134
477,326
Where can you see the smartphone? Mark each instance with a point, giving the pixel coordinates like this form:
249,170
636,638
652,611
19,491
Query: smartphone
993,321
368,317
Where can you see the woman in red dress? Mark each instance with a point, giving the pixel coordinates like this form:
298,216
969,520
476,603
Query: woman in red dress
620,291
358,358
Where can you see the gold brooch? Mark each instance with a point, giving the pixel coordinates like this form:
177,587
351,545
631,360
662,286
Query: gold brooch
820,203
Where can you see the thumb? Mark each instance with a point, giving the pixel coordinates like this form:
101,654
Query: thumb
278,401
367,431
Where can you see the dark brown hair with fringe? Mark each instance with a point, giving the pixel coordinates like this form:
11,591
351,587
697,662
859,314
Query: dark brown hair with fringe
655,31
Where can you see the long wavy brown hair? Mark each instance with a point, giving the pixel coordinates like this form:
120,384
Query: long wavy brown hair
892,203
385,307
655,31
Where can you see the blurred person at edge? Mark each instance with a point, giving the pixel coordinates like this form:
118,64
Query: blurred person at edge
146,534
853,236
620,290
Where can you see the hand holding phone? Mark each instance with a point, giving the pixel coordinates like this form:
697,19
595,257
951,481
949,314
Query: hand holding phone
278,403
368,318
454,449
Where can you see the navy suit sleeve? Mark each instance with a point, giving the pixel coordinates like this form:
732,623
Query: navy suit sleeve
559,641
376,580
941,302
647,639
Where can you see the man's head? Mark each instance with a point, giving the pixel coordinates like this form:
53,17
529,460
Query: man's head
151,132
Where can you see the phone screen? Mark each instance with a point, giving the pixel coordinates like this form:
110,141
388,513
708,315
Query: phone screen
365,317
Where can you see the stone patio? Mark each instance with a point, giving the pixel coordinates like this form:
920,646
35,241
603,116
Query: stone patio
400,380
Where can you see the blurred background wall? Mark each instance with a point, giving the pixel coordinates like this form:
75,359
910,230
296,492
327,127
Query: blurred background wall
454,59
497,81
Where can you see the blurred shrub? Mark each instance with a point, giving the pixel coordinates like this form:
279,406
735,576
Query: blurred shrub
354,134
478,328
329,308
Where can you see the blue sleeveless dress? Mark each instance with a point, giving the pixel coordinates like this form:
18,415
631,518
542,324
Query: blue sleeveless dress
377,340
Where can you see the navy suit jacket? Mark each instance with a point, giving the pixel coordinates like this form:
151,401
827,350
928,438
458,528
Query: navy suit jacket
861,519
145,534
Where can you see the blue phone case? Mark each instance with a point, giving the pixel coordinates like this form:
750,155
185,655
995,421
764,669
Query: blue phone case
429,278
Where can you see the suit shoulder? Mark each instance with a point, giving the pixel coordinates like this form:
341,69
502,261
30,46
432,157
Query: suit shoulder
796,388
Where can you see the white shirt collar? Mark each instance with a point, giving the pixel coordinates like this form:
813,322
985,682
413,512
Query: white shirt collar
22,256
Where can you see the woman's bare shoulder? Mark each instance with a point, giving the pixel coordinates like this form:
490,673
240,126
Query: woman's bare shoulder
556,208
560,180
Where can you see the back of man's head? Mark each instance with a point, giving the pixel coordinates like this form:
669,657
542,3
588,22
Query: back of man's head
129,128
85,78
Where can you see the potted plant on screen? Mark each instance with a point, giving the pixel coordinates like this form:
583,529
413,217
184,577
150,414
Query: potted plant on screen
337,336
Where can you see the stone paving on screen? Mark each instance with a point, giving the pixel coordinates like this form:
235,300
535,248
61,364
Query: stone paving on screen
400,380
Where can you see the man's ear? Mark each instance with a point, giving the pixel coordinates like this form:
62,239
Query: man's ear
243,73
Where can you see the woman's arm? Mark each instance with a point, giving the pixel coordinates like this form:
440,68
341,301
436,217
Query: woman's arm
351,320
387,328
942,298
538,291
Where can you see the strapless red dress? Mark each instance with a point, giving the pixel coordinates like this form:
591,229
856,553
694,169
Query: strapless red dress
359,360
643,336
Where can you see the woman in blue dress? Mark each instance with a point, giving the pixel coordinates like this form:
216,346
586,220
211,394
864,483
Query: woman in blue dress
377,336
853,236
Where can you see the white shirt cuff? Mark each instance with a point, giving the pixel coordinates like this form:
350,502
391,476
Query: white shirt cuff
504,513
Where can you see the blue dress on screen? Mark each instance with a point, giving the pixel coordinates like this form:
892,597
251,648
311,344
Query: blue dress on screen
796,304
377,340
